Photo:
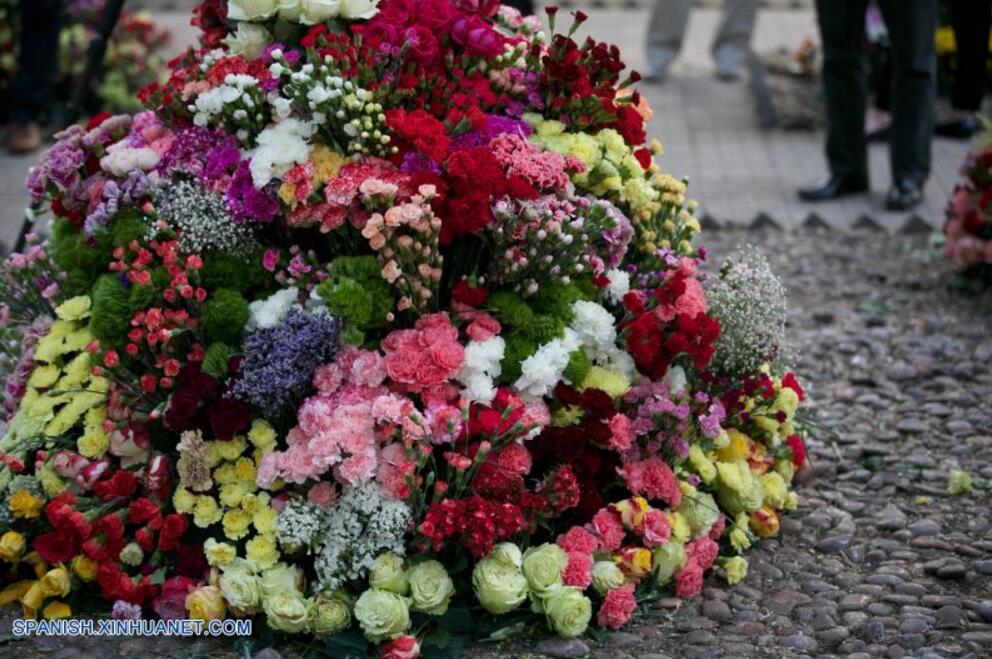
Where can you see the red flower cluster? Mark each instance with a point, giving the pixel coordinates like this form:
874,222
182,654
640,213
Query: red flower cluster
477,522
662,328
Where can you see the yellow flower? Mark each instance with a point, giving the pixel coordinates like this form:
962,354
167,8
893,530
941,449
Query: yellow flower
11,546
75,308
765,522
206,512
327,163
775,489
262,434
25,505
703,465
51,483
738,448
218,553
206,603
736,569
681,530
265,520
56,610
183,501
612,382
44,376
261,550
93,444
231,494
225,474
84,567
232,449
56,582
249,503
245,470
739,539
15,591
236,524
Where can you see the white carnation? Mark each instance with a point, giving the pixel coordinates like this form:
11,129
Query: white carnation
269,312
280,147
481,369
618,286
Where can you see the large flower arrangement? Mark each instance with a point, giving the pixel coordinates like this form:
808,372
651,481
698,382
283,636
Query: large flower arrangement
968,230
379,328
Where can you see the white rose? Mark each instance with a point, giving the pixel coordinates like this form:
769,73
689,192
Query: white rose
289,10
355,9
319,11
250,40
251,10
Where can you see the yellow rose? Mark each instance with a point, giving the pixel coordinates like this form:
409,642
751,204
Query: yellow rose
206,603
25,505
11,546
84,567
765,522
56,582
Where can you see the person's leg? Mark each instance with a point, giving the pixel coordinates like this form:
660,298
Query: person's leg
912,25
732,41
842,29
972,20
666,29
37,66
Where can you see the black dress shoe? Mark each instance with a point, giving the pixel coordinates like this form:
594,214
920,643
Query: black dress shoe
835,188
879,135
903,195
959,129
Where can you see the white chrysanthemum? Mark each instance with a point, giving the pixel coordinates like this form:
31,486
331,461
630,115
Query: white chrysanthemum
280,147
271,311
481,369
618,286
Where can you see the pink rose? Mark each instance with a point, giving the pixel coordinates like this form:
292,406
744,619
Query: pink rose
402,647
483,327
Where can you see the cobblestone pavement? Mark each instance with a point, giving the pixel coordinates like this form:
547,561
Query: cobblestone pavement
879,561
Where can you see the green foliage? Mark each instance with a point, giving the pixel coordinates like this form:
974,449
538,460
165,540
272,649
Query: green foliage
141,297
542,329
82,260
223,270
110,312
216,359
356,292
578,366
509,308
224,315
128,225
556,300
518,348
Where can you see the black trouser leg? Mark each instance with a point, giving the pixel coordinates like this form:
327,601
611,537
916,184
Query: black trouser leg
972,20
526,7
842,26
37,64
912,25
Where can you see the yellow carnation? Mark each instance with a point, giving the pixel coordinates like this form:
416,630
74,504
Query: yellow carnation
75,308
183,501
93,444
612,382
738,448
262,434
206,512
236,524
265,520
218,553
261,550
231,494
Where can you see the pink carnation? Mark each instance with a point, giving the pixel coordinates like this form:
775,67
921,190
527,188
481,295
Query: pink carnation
654,479
655,530
607,526
703,551
513,459
578,539
689,580
716,531
445,422
483,327
578,572
322,494
616,608
621,433
429,354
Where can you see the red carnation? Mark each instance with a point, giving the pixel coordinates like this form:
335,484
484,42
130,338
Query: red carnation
173,527
469,295
795,443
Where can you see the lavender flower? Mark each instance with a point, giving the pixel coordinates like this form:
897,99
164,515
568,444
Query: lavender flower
280,361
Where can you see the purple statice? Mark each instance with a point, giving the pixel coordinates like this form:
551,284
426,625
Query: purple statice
417,163
279,362
495,126
619,235
114,196
15,382
125,611
191,151
245,201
